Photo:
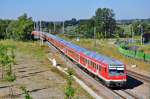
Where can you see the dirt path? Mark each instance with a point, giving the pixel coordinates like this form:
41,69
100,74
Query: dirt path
41,79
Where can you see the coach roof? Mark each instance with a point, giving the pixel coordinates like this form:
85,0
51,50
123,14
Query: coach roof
96,56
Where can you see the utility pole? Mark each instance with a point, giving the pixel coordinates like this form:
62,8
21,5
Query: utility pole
34,26
37,26
131,28
63,28
49,30
95,36
54,26
141,30
40,26
41,39
40,33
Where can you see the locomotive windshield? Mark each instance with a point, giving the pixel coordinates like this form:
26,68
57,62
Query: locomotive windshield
116,70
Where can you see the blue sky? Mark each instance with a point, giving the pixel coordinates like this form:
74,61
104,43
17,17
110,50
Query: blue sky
59,10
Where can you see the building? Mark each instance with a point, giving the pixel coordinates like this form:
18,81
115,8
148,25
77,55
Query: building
146,37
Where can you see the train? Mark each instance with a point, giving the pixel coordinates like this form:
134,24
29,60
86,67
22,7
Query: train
109,70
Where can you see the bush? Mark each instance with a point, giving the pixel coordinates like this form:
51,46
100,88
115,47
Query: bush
139,55
69,91
10,77
147,57
26,93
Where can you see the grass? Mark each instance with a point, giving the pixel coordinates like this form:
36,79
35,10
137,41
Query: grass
78,90
126,28
106,47
32,48
143,48
38,52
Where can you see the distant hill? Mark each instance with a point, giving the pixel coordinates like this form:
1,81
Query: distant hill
129,21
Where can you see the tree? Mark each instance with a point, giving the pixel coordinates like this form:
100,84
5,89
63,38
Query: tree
139,27
3,61
3,28
69,91
21,29
6,62
105,21
71,22
86,28
119,32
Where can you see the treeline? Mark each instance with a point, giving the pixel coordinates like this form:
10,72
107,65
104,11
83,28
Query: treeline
19,29
102,25
130,21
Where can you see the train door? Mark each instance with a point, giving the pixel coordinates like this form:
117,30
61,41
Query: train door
83,61
97,69
105,72
77,56
102,71
90,65
94,67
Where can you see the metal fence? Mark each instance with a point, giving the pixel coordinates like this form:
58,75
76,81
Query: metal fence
134,54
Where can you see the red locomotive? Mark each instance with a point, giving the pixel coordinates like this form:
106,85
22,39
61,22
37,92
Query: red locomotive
111,71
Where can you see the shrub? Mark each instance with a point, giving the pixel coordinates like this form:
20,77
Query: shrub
26,93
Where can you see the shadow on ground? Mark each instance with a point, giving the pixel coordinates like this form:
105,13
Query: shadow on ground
130,84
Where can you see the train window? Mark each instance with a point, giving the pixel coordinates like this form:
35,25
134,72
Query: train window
99,68
82,59
91,63
85,61
88,62
94,65
116,72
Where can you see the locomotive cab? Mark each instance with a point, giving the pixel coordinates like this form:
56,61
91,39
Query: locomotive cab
116,75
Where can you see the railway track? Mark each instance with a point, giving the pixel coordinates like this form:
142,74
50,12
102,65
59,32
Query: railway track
118,95
125,94
138,76
115,94
134,96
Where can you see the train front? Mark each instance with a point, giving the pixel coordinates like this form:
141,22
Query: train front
117,76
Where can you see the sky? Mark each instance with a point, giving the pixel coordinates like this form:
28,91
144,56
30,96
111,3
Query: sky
60,10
